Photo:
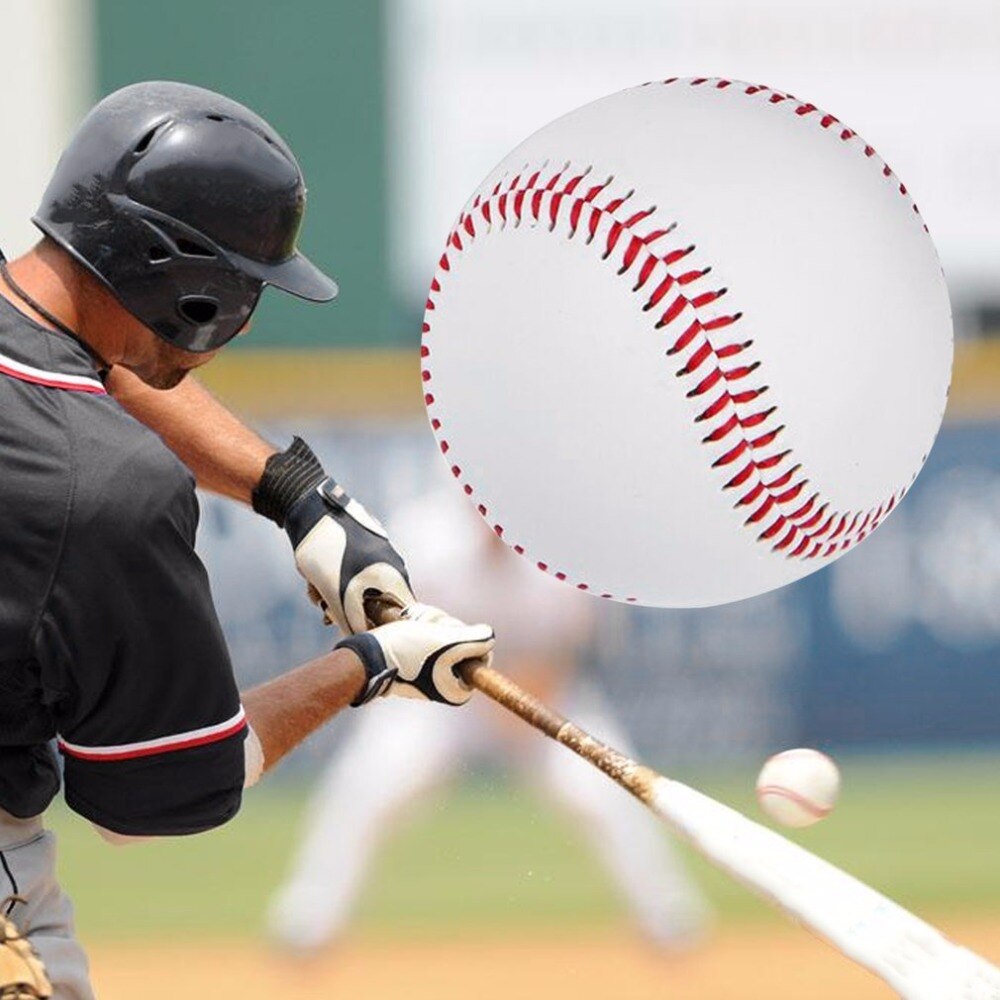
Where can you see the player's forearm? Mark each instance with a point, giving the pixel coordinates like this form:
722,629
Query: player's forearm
224,454
283,712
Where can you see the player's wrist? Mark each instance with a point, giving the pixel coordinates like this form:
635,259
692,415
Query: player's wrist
379,675
288,476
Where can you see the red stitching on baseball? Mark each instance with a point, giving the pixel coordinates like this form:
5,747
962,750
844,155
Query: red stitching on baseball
807,805
684,339
810,525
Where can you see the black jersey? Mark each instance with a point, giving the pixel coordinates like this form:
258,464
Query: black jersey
109,641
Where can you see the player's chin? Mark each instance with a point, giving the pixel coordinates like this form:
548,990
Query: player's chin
161,377
170,367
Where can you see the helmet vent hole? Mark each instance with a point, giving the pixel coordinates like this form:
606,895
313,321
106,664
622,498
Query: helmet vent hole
198,309
191,249
143,144
158,254
216,118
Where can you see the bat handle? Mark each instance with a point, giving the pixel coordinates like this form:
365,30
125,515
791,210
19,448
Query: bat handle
380,609
634,777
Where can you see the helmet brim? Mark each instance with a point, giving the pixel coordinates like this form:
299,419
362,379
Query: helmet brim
298,276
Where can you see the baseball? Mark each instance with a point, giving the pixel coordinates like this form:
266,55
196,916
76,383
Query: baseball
687,344
798,787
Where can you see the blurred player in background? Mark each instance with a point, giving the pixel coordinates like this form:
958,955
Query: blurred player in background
399,750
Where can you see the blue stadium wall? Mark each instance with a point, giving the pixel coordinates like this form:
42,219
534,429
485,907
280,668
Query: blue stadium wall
895,645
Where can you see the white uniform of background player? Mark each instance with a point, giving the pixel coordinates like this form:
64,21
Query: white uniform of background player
398,749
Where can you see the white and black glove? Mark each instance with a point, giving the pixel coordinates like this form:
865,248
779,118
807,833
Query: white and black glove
341,550
416,656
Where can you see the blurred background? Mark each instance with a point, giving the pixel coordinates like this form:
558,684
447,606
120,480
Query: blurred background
396,110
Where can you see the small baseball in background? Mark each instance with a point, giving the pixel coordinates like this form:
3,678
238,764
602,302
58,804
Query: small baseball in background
798,787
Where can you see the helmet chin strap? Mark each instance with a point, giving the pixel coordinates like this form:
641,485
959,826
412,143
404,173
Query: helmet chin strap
102,366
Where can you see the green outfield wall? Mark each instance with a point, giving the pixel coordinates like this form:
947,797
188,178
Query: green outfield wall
314,69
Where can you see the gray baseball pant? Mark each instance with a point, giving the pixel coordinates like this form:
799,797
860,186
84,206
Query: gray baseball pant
28,869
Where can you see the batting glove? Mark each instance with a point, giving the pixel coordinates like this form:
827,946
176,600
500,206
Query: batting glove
416,656
341,550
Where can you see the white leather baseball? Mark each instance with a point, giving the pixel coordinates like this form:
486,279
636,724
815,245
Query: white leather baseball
798,787
687,343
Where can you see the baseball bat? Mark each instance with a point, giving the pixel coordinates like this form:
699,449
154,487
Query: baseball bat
910,955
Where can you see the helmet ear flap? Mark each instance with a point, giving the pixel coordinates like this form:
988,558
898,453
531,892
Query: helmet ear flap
180,257
198,310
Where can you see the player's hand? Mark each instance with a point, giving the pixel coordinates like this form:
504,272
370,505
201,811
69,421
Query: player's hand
341,550
416,656
345,554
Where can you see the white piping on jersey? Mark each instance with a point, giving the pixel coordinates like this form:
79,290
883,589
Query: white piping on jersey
163,744
54,380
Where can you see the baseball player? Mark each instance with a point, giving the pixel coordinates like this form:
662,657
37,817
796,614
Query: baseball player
169,212
395,752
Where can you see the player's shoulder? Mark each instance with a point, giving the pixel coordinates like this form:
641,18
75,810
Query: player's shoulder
71,446
127,479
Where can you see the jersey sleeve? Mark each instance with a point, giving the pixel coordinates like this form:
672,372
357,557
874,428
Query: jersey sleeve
150,723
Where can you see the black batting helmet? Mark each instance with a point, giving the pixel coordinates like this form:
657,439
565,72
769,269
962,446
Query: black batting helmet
185,205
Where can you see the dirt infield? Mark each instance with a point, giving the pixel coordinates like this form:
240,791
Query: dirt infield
738,964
